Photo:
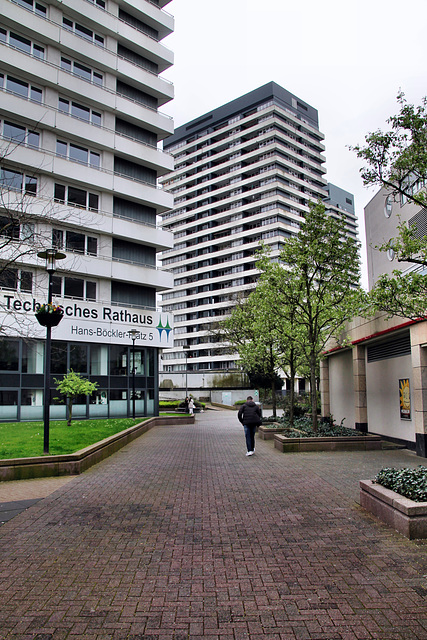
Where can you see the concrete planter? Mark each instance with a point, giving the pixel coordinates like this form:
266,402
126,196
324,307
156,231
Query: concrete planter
332,443
404,515
268,433
76,463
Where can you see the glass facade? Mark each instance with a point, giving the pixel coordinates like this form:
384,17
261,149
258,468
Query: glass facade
110,366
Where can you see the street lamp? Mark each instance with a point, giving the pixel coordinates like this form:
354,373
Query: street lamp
133,334
50,256
186,348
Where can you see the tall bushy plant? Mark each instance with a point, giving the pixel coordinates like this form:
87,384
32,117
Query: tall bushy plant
71,386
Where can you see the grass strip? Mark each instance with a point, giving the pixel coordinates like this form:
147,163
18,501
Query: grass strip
25,439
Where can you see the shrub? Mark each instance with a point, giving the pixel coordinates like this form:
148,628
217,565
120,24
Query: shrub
303,428
168,404
410,483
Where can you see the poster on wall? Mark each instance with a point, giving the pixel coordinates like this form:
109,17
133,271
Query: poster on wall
405,399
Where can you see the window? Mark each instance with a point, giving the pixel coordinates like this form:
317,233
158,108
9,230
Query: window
79,111
78,154
18,181
16,280
74,288
137,59
134,171
134,211
131,130
82,71
133,295
99,3
388,206
9,355
9,228
36,7
20,88
136,95
75,242
135,22
133,253
23,44
82,31
20,134
76,197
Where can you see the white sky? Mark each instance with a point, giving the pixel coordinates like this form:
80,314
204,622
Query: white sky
346,58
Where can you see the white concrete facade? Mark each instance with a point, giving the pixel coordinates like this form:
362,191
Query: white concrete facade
80,127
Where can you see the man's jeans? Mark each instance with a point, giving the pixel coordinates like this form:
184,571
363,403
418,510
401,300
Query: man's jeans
250,436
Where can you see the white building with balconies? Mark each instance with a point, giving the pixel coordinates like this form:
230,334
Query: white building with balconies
80,123
244,173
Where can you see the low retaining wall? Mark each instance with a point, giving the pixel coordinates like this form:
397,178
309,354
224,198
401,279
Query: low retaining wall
404,515
332,443
76,463
268,433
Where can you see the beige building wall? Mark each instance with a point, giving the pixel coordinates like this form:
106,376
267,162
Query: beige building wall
383,399
341,388
366,393
382,215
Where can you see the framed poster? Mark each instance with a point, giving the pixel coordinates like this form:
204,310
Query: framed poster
405,399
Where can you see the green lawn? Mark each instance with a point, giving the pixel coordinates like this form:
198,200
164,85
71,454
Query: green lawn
25,439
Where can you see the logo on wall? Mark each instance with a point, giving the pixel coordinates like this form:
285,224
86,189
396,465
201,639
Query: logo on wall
161,327
405,399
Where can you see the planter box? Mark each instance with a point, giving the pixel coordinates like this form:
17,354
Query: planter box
404,515
268,433
331,443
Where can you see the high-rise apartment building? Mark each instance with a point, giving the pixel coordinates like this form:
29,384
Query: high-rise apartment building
244,173
80,123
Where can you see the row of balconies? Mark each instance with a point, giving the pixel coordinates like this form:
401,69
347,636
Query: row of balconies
292,122
50,30
220,158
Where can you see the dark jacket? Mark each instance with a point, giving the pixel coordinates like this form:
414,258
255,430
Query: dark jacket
249,413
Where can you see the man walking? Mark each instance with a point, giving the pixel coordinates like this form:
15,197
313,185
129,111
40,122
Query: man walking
250,417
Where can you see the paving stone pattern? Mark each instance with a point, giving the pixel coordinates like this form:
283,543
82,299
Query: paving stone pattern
181,536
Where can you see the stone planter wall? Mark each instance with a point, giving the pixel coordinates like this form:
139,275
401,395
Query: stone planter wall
336,443
268,433
76,463
404,515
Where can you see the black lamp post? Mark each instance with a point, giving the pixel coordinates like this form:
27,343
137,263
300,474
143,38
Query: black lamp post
186,348
133,334
48,320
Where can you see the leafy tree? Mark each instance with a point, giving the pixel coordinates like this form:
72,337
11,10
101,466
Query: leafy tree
71,386
284,308
316,279
397,161
253,331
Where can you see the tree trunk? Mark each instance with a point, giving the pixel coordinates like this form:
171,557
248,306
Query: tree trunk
70,411
273,391
313,392
292,398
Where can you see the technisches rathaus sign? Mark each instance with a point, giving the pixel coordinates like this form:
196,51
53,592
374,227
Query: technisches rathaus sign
85,321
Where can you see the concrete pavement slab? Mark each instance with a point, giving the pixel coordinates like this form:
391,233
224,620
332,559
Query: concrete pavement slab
181,536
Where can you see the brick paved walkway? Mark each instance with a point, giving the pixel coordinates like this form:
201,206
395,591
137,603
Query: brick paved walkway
181,536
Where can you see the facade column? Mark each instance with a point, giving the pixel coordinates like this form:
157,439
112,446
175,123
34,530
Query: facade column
324,388
419,386
360,400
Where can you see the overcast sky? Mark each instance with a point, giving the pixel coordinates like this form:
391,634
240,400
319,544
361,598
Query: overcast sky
346,58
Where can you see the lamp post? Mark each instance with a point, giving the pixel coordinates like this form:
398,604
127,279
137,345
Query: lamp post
50,256
133,334
186,348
